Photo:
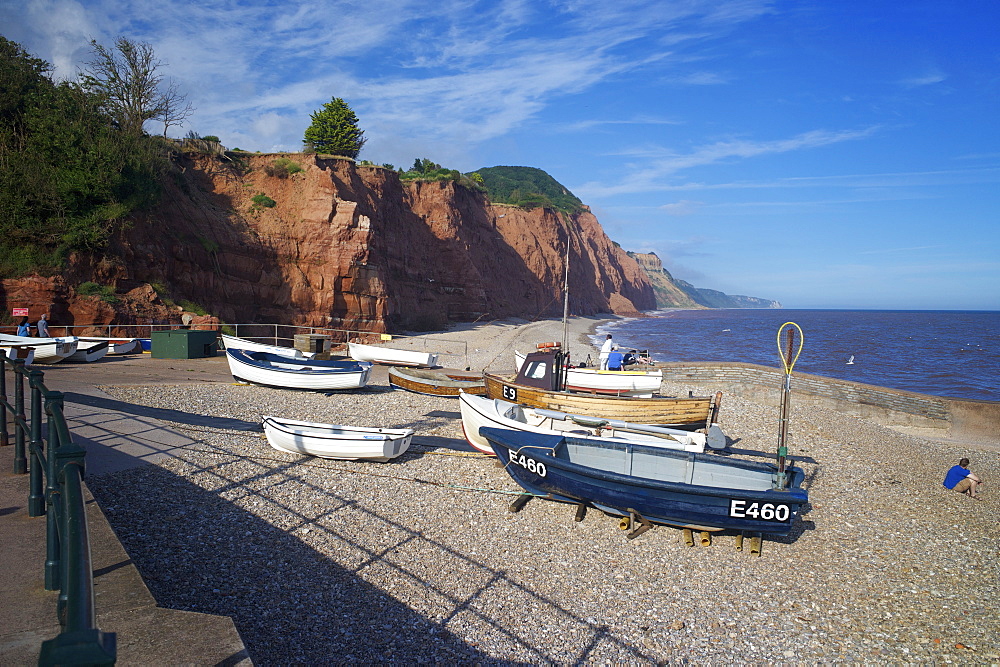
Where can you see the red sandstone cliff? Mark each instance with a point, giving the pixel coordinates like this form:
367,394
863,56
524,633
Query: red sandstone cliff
345,246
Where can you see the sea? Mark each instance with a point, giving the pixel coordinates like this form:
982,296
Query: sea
955,354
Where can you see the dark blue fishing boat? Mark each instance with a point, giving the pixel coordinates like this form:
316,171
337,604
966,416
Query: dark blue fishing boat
624,478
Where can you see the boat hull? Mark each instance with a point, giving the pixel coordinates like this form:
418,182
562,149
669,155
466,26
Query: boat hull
89,351
437,382
234,343
478,411
333,441
391,356
684,412
24,353
47,350
688,490
290,373
116,345
611,383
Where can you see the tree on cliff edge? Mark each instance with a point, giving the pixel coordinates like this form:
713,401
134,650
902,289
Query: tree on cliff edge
334,130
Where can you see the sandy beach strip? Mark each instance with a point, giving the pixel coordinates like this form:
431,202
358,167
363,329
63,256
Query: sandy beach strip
419,559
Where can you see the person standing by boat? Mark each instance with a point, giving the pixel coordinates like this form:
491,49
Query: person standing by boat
23,328
606,349
963,480
42,327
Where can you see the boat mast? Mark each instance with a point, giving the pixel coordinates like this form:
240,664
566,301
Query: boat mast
565,342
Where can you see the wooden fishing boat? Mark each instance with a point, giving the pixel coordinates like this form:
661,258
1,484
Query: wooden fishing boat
89,351
332,441
437,382
478,411
116,345
234,343
613,383
391,356
652,484
290,373
23,352
47,350
539,384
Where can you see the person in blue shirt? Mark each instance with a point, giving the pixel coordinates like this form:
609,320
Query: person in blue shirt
615,359
963,480
24,329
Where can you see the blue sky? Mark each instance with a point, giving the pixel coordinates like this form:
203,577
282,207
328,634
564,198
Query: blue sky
826,154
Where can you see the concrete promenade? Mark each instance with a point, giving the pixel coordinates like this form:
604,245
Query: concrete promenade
117,436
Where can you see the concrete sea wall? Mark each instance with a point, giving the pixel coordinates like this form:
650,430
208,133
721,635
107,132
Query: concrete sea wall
952,418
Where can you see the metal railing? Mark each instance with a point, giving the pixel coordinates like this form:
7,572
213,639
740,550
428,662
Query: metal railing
276,334
55,465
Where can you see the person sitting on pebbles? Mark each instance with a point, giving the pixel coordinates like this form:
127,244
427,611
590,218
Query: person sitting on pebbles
963,480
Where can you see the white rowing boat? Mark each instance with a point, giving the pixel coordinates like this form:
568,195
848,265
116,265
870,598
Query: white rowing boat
391,356
290,373
47,350
332,441
234,343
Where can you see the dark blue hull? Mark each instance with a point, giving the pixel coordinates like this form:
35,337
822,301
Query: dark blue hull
701,491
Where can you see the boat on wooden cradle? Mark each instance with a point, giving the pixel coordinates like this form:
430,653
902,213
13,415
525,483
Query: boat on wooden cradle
234,343
89,351
23,352
478,411
117,345
332,441
540,383
47,350
391,356
651,485
437,381
290,373
643,383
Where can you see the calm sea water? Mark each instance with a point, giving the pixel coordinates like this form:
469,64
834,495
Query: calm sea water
944,353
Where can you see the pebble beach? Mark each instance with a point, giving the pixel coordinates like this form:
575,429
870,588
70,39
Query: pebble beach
419,560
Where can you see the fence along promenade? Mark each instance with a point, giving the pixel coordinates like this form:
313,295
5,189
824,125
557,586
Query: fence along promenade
55,466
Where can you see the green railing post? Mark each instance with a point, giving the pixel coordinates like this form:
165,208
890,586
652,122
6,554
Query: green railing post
36,451
20,460
4,438
53,550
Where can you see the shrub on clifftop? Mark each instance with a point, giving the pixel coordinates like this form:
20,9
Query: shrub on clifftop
334,130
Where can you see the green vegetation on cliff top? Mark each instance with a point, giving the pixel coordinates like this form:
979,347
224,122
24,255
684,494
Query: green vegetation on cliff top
528,187
69,175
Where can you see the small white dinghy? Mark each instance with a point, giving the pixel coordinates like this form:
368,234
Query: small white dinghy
391,356
116,345
234,343
47,350
331,441
290,373
89,351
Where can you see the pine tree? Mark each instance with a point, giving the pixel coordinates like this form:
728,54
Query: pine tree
334,130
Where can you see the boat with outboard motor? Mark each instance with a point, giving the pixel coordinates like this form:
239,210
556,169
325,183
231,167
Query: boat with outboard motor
640,382
540,383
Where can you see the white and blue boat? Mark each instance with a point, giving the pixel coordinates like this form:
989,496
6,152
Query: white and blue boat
703,492
277,370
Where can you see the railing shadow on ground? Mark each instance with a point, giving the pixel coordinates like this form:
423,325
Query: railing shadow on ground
54,464
299,582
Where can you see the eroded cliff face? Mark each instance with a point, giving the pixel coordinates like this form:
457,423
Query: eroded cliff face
344,246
